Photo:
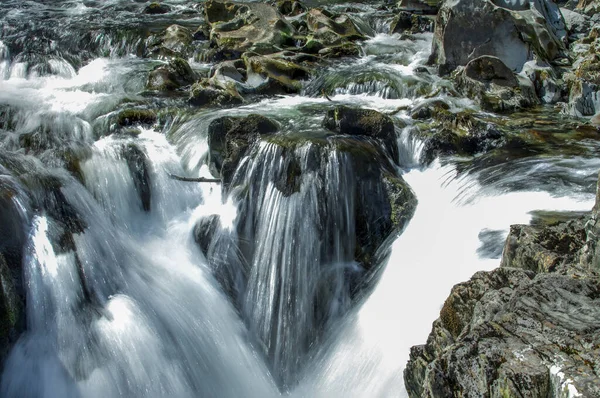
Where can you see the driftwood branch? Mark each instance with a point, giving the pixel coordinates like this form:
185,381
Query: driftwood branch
193,179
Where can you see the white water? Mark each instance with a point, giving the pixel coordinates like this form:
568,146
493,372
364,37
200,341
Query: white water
437,250
149,318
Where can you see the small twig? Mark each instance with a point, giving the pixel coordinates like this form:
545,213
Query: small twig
193,179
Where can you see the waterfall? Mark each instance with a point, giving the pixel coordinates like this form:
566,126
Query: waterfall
299,277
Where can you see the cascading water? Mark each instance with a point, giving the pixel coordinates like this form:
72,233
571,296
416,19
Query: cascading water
124,298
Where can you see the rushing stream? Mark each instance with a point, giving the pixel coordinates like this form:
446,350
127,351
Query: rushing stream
129,305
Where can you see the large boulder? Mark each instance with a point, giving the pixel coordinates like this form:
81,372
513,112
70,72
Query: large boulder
511,30
530,328
239,26
340,193
495,86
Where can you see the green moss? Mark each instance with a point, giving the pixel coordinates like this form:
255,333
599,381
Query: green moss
136,116
450,318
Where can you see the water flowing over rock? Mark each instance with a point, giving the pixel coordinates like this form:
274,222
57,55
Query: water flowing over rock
219,198
350,200
510,30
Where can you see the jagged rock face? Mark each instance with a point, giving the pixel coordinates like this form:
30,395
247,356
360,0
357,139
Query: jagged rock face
584,80
589,7
510,333
530,328
509,30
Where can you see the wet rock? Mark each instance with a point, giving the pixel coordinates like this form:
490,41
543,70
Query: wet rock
176,41
12,227
130,117
428,109
367,122
509,30
459,133
138,164
411,23
176,74
341,50
285,75
204,231
205,93
11,310
157,8
494,86
290,7
230,137
545,80
239,26
529,328
332,29
421,6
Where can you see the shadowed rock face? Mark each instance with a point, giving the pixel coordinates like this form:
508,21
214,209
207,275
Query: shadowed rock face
509,30
530,328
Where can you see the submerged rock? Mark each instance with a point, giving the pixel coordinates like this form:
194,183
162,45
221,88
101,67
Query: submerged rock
510,30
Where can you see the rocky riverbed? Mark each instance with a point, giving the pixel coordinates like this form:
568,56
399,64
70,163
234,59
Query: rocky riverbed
122,122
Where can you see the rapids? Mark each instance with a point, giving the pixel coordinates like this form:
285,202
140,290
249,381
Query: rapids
131,307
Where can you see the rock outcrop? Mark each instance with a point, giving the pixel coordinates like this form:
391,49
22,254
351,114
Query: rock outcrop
529,328
510,30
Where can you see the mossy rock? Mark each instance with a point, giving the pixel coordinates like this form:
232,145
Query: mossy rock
134,116
367,122
286,73
156,8
203,93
